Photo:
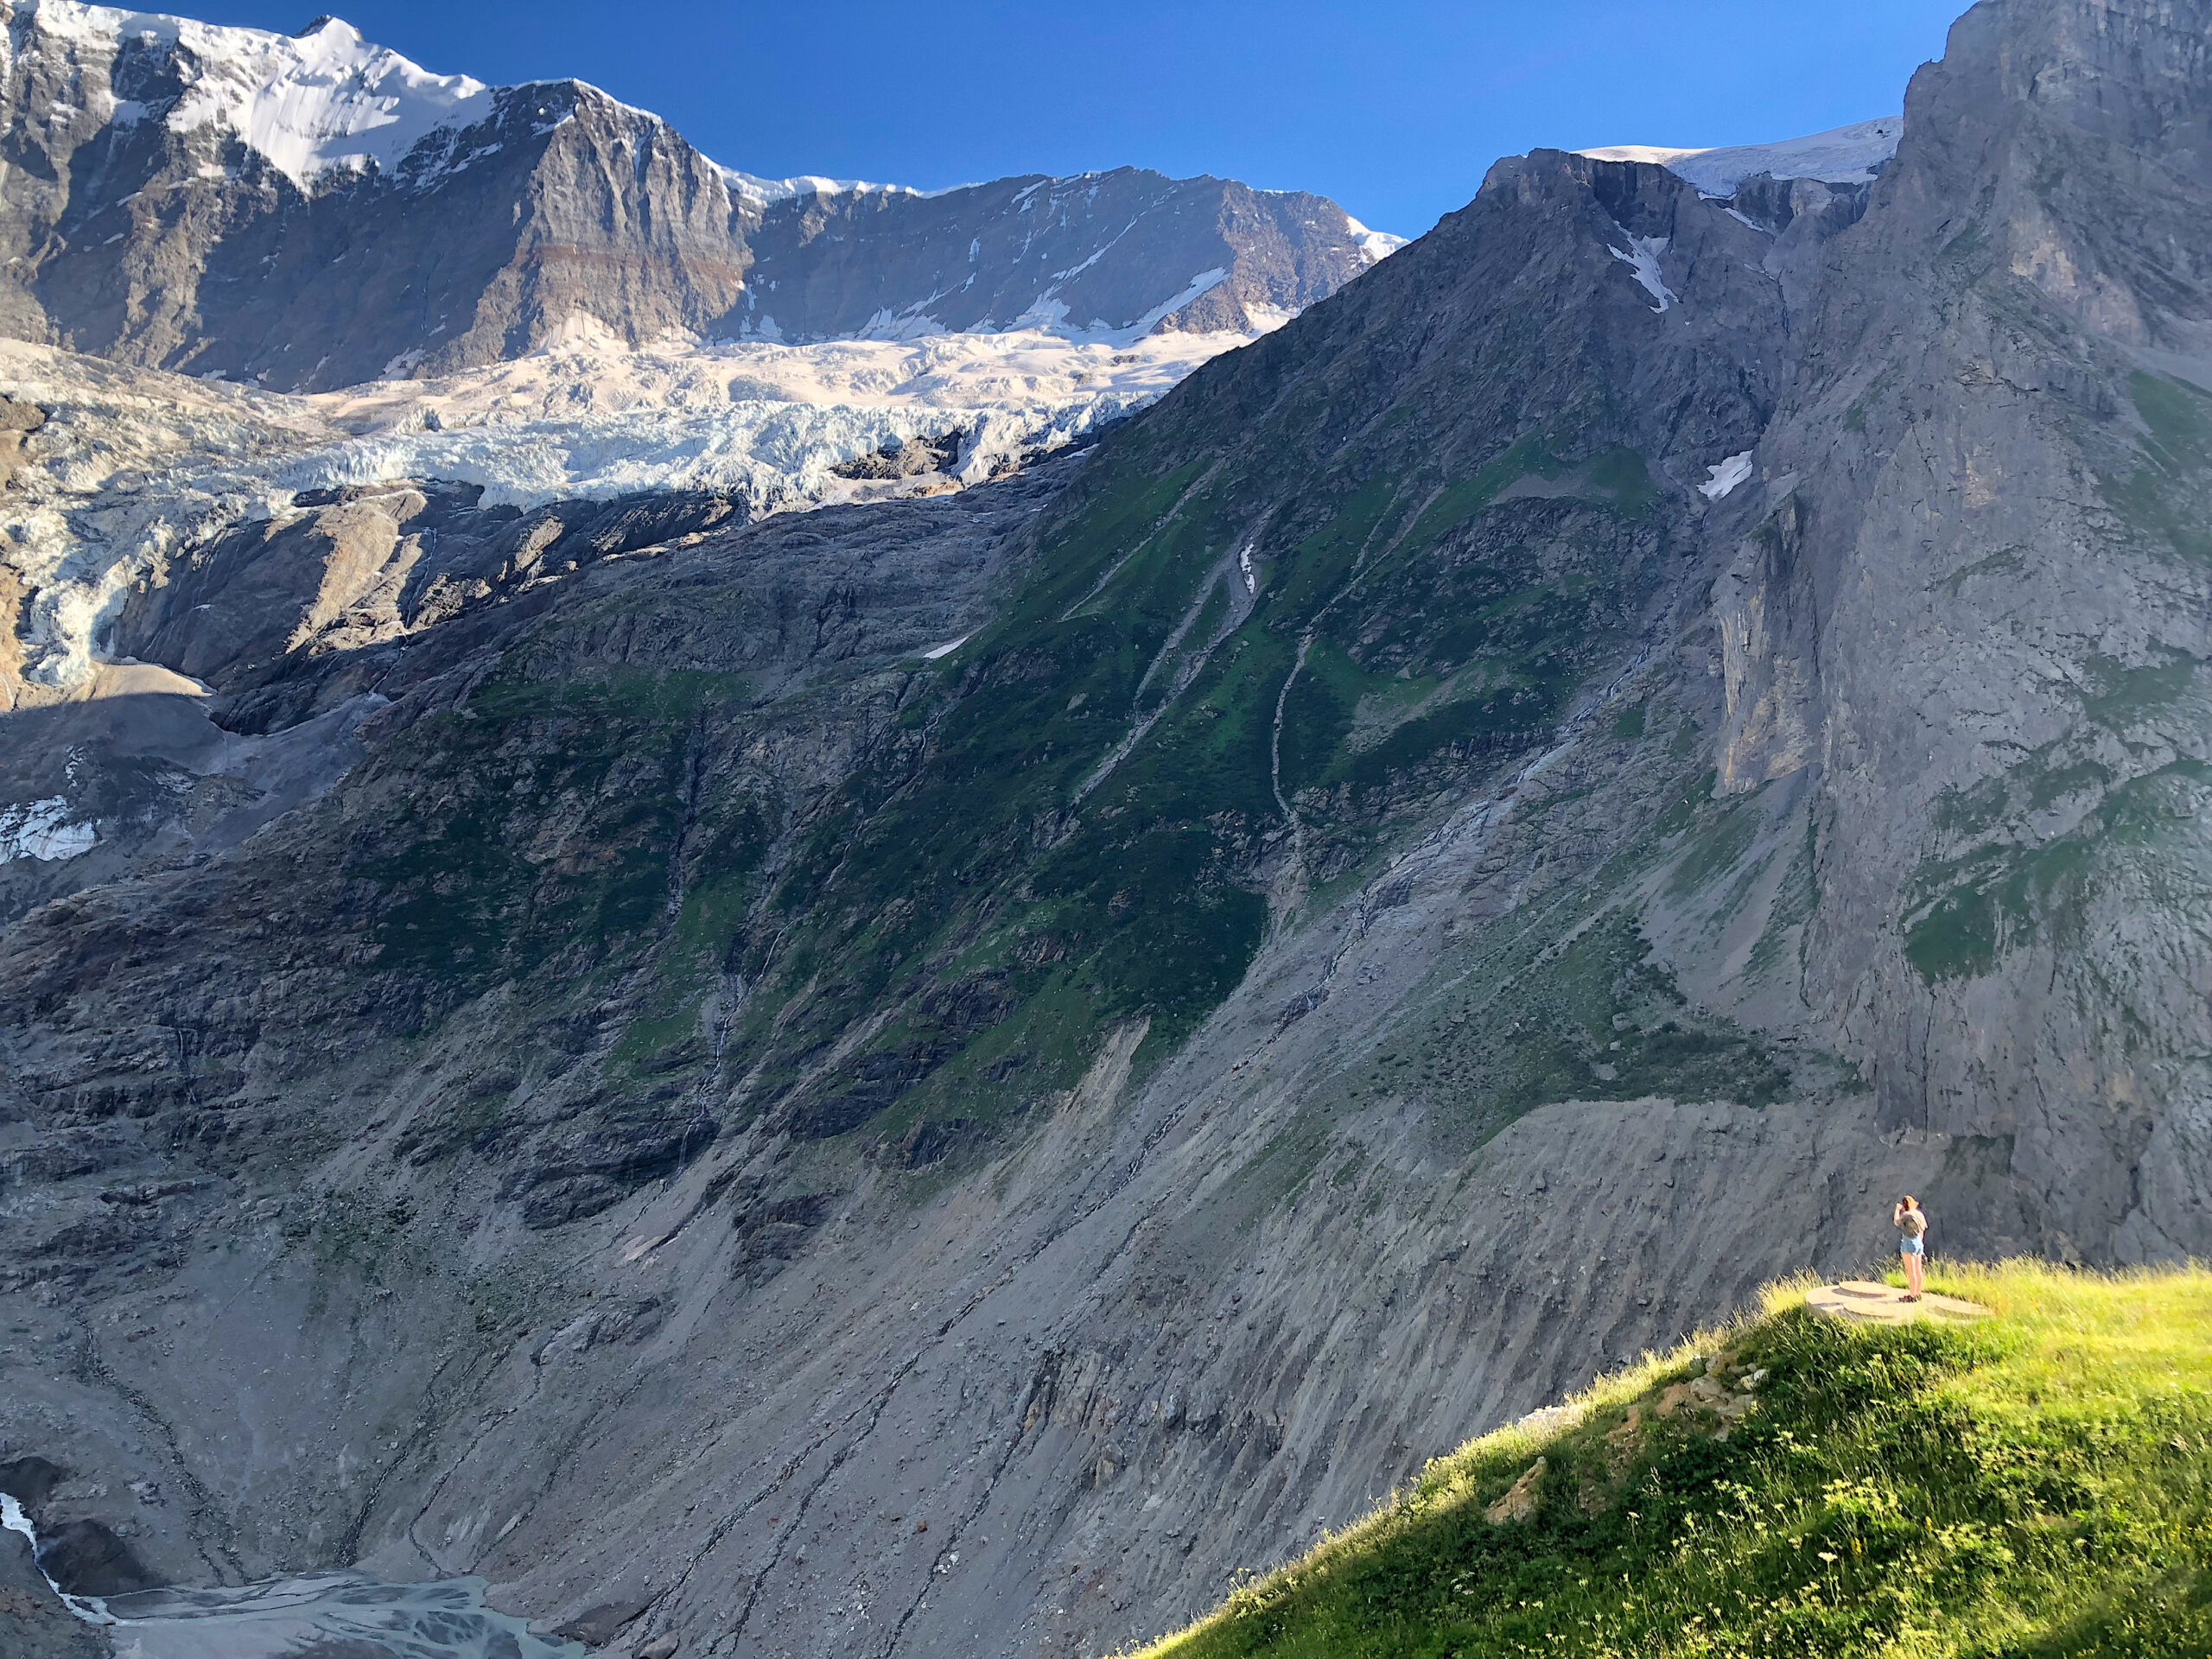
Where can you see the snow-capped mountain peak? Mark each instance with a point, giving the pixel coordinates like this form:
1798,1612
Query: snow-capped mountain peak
1377,246
321,99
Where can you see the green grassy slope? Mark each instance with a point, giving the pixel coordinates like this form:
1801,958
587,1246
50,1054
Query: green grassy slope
2039,1483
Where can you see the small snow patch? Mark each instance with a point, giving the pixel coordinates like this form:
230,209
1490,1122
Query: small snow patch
1641,256
946,649
1726,476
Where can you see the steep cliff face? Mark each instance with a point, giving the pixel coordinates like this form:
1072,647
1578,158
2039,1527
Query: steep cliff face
931,1079
312,212
1993,615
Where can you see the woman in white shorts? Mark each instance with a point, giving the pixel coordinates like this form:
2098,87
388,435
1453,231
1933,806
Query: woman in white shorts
1911,1220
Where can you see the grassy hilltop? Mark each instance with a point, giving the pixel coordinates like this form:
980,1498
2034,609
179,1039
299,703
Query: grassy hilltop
2034,1484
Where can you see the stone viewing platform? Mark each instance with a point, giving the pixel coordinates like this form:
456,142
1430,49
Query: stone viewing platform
1861,1299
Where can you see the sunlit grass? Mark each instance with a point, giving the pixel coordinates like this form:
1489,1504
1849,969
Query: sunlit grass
2038,1483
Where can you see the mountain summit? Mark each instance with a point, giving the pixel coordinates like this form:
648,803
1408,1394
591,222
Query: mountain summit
313,211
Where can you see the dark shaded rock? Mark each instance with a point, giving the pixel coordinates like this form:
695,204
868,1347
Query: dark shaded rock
776,1229
1776,203
931,1140
861,1088
906,459
87,1559
599,1626
597,1164
28,1480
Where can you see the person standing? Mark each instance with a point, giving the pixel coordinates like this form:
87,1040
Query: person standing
1910,1219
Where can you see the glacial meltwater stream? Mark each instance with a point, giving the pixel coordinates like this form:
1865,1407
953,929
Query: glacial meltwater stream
335,1614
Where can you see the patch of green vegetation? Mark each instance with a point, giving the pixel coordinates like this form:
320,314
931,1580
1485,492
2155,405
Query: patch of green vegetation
1315,570
2033,1485
1460,501
1618,478
727,852
1628,725
1124,508
2122,695
1591,1017
1971,811
1505,717
1963,914
2166,496
1795,897
593,766
1684,806
1279,1172
1721,837
1957,937
1625,476
1317,715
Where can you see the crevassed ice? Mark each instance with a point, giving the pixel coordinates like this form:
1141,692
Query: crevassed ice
137,465
41,830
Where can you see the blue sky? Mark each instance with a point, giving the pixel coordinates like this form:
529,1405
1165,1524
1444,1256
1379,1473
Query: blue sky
1393,108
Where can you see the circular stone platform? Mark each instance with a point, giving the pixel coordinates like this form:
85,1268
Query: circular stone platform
1858,1298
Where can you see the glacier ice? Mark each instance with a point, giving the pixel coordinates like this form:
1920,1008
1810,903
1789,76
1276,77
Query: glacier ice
1847,155
41,830
135,464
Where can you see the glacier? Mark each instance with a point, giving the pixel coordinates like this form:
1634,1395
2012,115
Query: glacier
1846,154
135,464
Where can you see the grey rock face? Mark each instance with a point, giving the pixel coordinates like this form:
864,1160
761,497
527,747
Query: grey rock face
545,206
1996,617
1127,249
935,1078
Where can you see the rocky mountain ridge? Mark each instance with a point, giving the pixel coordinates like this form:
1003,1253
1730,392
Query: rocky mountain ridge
315,212
916,1078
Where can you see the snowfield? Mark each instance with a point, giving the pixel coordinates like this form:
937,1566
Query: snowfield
1841,155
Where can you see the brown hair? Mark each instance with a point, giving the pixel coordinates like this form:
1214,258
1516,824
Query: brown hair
1912,1202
